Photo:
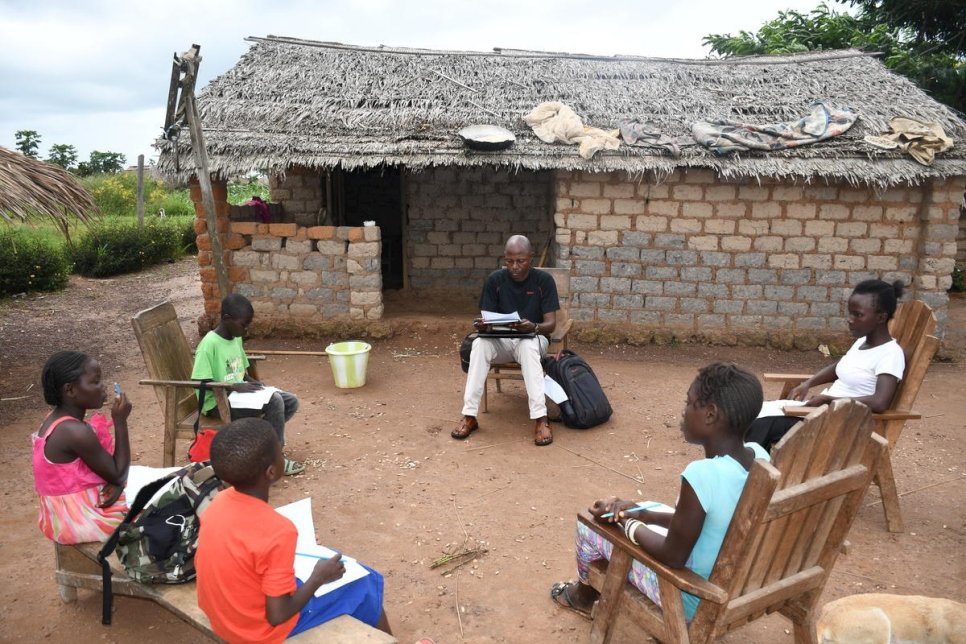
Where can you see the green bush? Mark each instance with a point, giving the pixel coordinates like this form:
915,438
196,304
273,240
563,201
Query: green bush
123,247
31,261
174,204
241,191
116,194
188,235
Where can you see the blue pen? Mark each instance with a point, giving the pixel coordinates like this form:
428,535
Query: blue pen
305,554
637,508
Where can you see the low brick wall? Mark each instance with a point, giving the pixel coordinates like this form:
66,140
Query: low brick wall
320,272
697,253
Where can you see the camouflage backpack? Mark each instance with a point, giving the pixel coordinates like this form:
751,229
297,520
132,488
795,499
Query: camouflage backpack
157,540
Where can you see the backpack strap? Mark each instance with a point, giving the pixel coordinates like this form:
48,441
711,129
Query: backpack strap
202,388
141,500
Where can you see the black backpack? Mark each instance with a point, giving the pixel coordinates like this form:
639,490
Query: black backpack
588,405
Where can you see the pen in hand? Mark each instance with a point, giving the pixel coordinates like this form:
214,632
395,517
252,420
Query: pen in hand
636,508
305,554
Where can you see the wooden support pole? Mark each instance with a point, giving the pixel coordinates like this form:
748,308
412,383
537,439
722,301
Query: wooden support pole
140,191
201,161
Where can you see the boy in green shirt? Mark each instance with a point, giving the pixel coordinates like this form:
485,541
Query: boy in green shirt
220,357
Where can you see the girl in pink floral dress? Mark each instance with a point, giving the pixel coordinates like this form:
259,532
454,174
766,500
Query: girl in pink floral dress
79,474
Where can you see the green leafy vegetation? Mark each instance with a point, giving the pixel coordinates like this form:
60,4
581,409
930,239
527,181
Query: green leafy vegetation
924,40
32,260
124,247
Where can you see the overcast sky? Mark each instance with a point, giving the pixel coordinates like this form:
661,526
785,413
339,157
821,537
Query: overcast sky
95,73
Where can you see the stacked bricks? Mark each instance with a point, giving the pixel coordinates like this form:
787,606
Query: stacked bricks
697,253
290,271
460,218
301,192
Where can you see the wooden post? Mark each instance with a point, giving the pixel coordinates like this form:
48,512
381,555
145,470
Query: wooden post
140,191
192,60
207,196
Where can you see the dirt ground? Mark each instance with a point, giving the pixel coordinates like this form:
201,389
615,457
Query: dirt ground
390,487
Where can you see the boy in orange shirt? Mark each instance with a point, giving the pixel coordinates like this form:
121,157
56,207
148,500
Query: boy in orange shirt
246,552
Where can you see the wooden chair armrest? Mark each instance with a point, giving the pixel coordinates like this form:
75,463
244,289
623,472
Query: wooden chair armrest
682,578
897,414
786,377
561,331
270,352
190,384
798,412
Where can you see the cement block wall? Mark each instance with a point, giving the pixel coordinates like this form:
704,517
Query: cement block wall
291,271
695,252
300,190
460,218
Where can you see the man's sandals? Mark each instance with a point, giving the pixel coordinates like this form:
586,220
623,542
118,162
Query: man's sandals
542,434
467,426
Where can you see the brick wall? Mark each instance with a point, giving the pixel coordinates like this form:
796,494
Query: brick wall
460,218
290,271
300,190
697,253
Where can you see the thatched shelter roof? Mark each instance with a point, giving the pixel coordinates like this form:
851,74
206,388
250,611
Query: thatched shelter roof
321,105
31,189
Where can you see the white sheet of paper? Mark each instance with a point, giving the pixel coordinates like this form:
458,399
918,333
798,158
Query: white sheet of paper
138,476
553,390
252,400
499,318
776,407
308,552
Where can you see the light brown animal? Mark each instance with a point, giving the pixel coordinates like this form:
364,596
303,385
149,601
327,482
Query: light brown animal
878,618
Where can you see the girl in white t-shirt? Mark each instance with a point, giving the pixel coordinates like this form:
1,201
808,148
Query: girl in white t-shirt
869,372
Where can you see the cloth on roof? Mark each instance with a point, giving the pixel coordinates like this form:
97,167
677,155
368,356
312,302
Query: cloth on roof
918,139
823,122
554,122
648,135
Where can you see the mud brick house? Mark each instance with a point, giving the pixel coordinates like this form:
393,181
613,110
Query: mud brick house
760,244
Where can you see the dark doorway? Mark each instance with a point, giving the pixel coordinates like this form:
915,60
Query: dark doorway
376,195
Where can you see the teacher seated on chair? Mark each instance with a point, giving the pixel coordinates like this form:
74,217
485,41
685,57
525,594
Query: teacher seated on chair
533,294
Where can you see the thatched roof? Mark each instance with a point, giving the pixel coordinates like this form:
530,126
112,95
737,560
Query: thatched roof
31,189
293,102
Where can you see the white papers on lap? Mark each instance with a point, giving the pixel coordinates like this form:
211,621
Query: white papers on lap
553,390
252,400
776,407
308,552
499,318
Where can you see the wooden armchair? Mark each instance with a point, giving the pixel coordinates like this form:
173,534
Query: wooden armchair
779,550
558,339
912,327
169,362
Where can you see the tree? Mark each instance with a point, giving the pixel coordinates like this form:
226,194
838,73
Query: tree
912,41
61,154
102,163
27,142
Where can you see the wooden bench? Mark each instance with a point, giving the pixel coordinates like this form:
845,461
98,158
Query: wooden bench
77,567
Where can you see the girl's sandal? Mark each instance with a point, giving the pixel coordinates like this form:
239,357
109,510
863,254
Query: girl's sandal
293,467
560,593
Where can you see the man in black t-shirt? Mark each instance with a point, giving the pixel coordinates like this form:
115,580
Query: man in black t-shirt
533,294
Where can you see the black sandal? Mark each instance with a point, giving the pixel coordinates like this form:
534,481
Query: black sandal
560,593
